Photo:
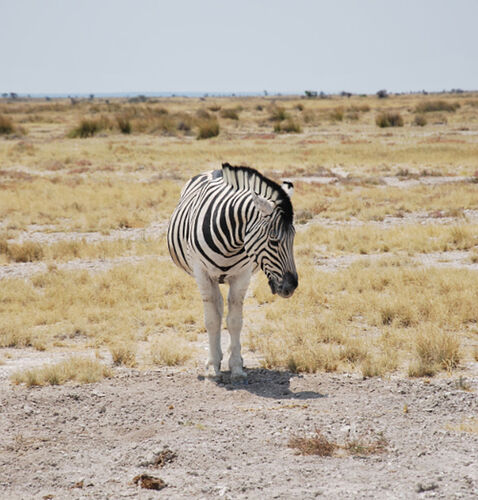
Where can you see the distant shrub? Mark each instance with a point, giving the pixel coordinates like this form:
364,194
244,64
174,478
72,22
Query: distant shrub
389,119
214,108
311,94
288,126
160,111
362,108
277,114
337,114
300,107
259,107
184,122
123,124
203,114
86,128
438,105
6,125
353,116
164,124
382,94
308,116
420,120
208,128
90,127
230,113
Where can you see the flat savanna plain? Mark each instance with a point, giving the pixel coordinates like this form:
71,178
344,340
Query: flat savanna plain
363,384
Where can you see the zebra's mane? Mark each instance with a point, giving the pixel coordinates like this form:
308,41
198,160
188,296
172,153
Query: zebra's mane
246,178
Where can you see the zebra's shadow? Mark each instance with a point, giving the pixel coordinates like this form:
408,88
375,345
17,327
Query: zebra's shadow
274,384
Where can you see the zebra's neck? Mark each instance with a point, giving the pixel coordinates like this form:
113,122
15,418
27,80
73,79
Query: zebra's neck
246,178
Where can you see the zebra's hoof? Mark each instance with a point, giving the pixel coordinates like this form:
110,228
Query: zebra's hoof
212,373
238,377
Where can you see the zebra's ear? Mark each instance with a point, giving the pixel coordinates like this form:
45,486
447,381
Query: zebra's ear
264,205
288,188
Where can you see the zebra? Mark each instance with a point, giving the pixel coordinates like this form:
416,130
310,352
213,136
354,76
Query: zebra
227,225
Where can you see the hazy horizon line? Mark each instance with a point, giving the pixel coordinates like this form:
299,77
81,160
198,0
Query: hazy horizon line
216,94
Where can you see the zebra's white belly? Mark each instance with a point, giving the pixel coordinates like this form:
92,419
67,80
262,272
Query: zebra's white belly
215,272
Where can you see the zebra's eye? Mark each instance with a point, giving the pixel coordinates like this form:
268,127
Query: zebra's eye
273,238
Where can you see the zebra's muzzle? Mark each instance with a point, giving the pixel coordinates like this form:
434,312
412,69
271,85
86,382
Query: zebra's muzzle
286,288
273,286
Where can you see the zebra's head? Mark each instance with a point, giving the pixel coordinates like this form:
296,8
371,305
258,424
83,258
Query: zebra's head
269,234
270,241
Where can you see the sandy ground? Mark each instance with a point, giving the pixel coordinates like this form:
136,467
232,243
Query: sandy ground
91,441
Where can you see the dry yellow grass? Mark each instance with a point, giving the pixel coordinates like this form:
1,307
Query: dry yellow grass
125,303
320,445
65,250
86,204
368,239
434,350
170,350
123,353
77,369
374,203
435,145
372,317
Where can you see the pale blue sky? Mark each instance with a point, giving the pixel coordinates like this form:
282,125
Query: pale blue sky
82,46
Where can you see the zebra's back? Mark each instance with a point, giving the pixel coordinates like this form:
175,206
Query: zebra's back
205,227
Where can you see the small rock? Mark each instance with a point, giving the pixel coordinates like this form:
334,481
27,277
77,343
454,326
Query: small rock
149,482
421,487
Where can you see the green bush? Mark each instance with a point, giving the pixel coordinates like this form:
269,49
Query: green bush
389,119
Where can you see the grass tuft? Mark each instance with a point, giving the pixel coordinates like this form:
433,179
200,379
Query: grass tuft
288,126
389,119
436,105
6,125
420,120
124,124
230,113
22,252
434,351
78,369
123,353
321,446
207,128
89,127
170,350
315,445
278,114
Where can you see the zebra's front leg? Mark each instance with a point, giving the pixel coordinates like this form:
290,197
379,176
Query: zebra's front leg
213,310
237,292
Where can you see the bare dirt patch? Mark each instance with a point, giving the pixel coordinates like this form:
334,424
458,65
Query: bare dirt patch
232,441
